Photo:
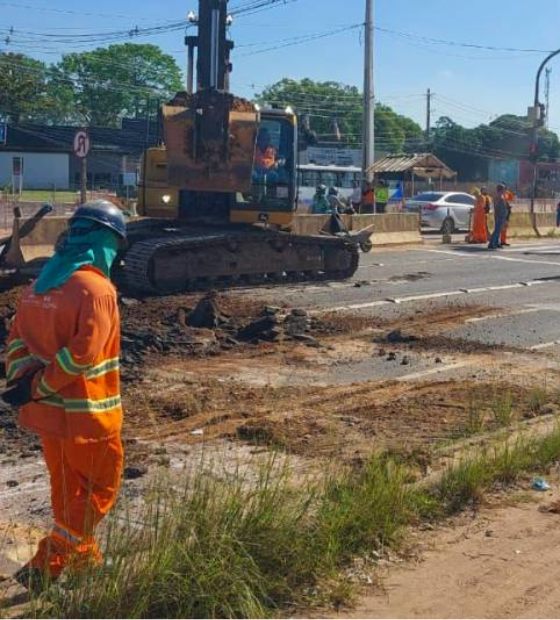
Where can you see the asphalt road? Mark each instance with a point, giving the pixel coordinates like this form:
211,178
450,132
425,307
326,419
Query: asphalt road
521,282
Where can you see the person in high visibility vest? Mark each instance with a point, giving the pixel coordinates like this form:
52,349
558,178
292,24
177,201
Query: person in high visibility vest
62,370
381,197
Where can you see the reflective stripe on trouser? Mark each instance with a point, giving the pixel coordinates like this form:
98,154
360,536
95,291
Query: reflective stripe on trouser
84,485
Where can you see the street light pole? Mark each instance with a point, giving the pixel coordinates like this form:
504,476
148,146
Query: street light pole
369,99
535,129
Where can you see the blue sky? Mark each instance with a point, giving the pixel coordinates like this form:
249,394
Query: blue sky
470,85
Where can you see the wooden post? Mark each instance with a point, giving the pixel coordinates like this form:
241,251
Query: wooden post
83,180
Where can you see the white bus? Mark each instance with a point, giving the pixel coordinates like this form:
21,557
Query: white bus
312,175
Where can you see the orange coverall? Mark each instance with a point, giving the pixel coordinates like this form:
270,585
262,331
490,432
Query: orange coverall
74,333
479,232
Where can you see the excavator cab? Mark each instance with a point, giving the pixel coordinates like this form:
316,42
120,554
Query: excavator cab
273,193
267,193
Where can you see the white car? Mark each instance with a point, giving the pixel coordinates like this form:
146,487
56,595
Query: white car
446,211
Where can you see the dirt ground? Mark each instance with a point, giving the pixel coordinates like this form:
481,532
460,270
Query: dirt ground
227,371
501,562
228,367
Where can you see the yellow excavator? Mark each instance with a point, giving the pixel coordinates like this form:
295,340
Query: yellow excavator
217,201
219,197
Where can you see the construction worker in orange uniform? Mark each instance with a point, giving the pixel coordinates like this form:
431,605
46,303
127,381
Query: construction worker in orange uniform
63,374
479,224
368,198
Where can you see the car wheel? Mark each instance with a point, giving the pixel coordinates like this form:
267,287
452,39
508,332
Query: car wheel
366,246
448,226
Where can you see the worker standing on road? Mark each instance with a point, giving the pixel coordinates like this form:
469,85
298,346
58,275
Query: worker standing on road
479,226
500,215
508,197
63,374
487,207
356,198
381,197
368,198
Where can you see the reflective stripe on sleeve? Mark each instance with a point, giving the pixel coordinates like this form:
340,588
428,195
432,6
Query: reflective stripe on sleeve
67,363
15,345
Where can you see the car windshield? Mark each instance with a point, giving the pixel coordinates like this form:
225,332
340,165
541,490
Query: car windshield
428,197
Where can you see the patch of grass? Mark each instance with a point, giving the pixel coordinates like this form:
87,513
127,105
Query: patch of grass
475,417
47,196
536,400
246,547
502,409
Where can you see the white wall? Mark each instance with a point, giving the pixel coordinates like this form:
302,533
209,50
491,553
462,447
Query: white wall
40,170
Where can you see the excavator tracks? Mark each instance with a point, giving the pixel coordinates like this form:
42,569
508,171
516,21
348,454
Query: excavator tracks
165,261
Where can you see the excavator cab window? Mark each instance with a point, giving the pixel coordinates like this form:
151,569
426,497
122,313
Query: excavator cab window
273,187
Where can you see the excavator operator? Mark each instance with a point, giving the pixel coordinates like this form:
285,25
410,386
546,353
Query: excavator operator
266,157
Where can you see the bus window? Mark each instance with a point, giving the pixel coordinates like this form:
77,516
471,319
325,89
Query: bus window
309,178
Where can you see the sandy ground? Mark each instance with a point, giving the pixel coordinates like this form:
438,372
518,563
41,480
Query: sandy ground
499,563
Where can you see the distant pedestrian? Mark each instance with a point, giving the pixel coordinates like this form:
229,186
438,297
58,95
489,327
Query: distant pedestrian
368,198
558,215
508,196
381,197
320,205
336,205
356,198
500,215
479,225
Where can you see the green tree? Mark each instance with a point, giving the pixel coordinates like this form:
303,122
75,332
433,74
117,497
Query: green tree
109,83
330,104
22,86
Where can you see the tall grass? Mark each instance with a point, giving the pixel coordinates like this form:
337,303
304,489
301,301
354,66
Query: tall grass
239,548
250,547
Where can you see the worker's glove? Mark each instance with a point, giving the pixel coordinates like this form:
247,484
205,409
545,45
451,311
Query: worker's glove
20,391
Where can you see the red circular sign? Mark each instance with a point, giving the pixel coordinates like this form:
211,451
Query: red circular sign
82,144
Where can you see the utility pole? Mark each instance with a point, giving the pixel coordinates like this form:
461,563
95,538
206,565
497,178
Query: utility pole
428,115
548,71
536,113
369,97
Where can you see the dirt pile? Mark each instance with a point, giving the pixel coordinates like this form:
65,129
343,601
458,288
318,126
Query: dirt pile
209,325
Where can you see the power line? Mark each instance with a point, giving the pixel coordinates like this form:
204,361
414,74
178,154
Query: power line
303,39
450,43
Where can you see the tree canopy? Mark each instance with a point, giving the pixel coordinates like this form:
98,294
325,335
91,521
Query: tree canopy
109,83
96,88
335,113
507,137
23,86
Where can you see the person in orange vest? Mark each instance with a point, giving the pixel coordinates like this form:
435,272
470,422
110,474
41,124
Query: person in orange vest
62,370
479,225
509,197
368,200
266,156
